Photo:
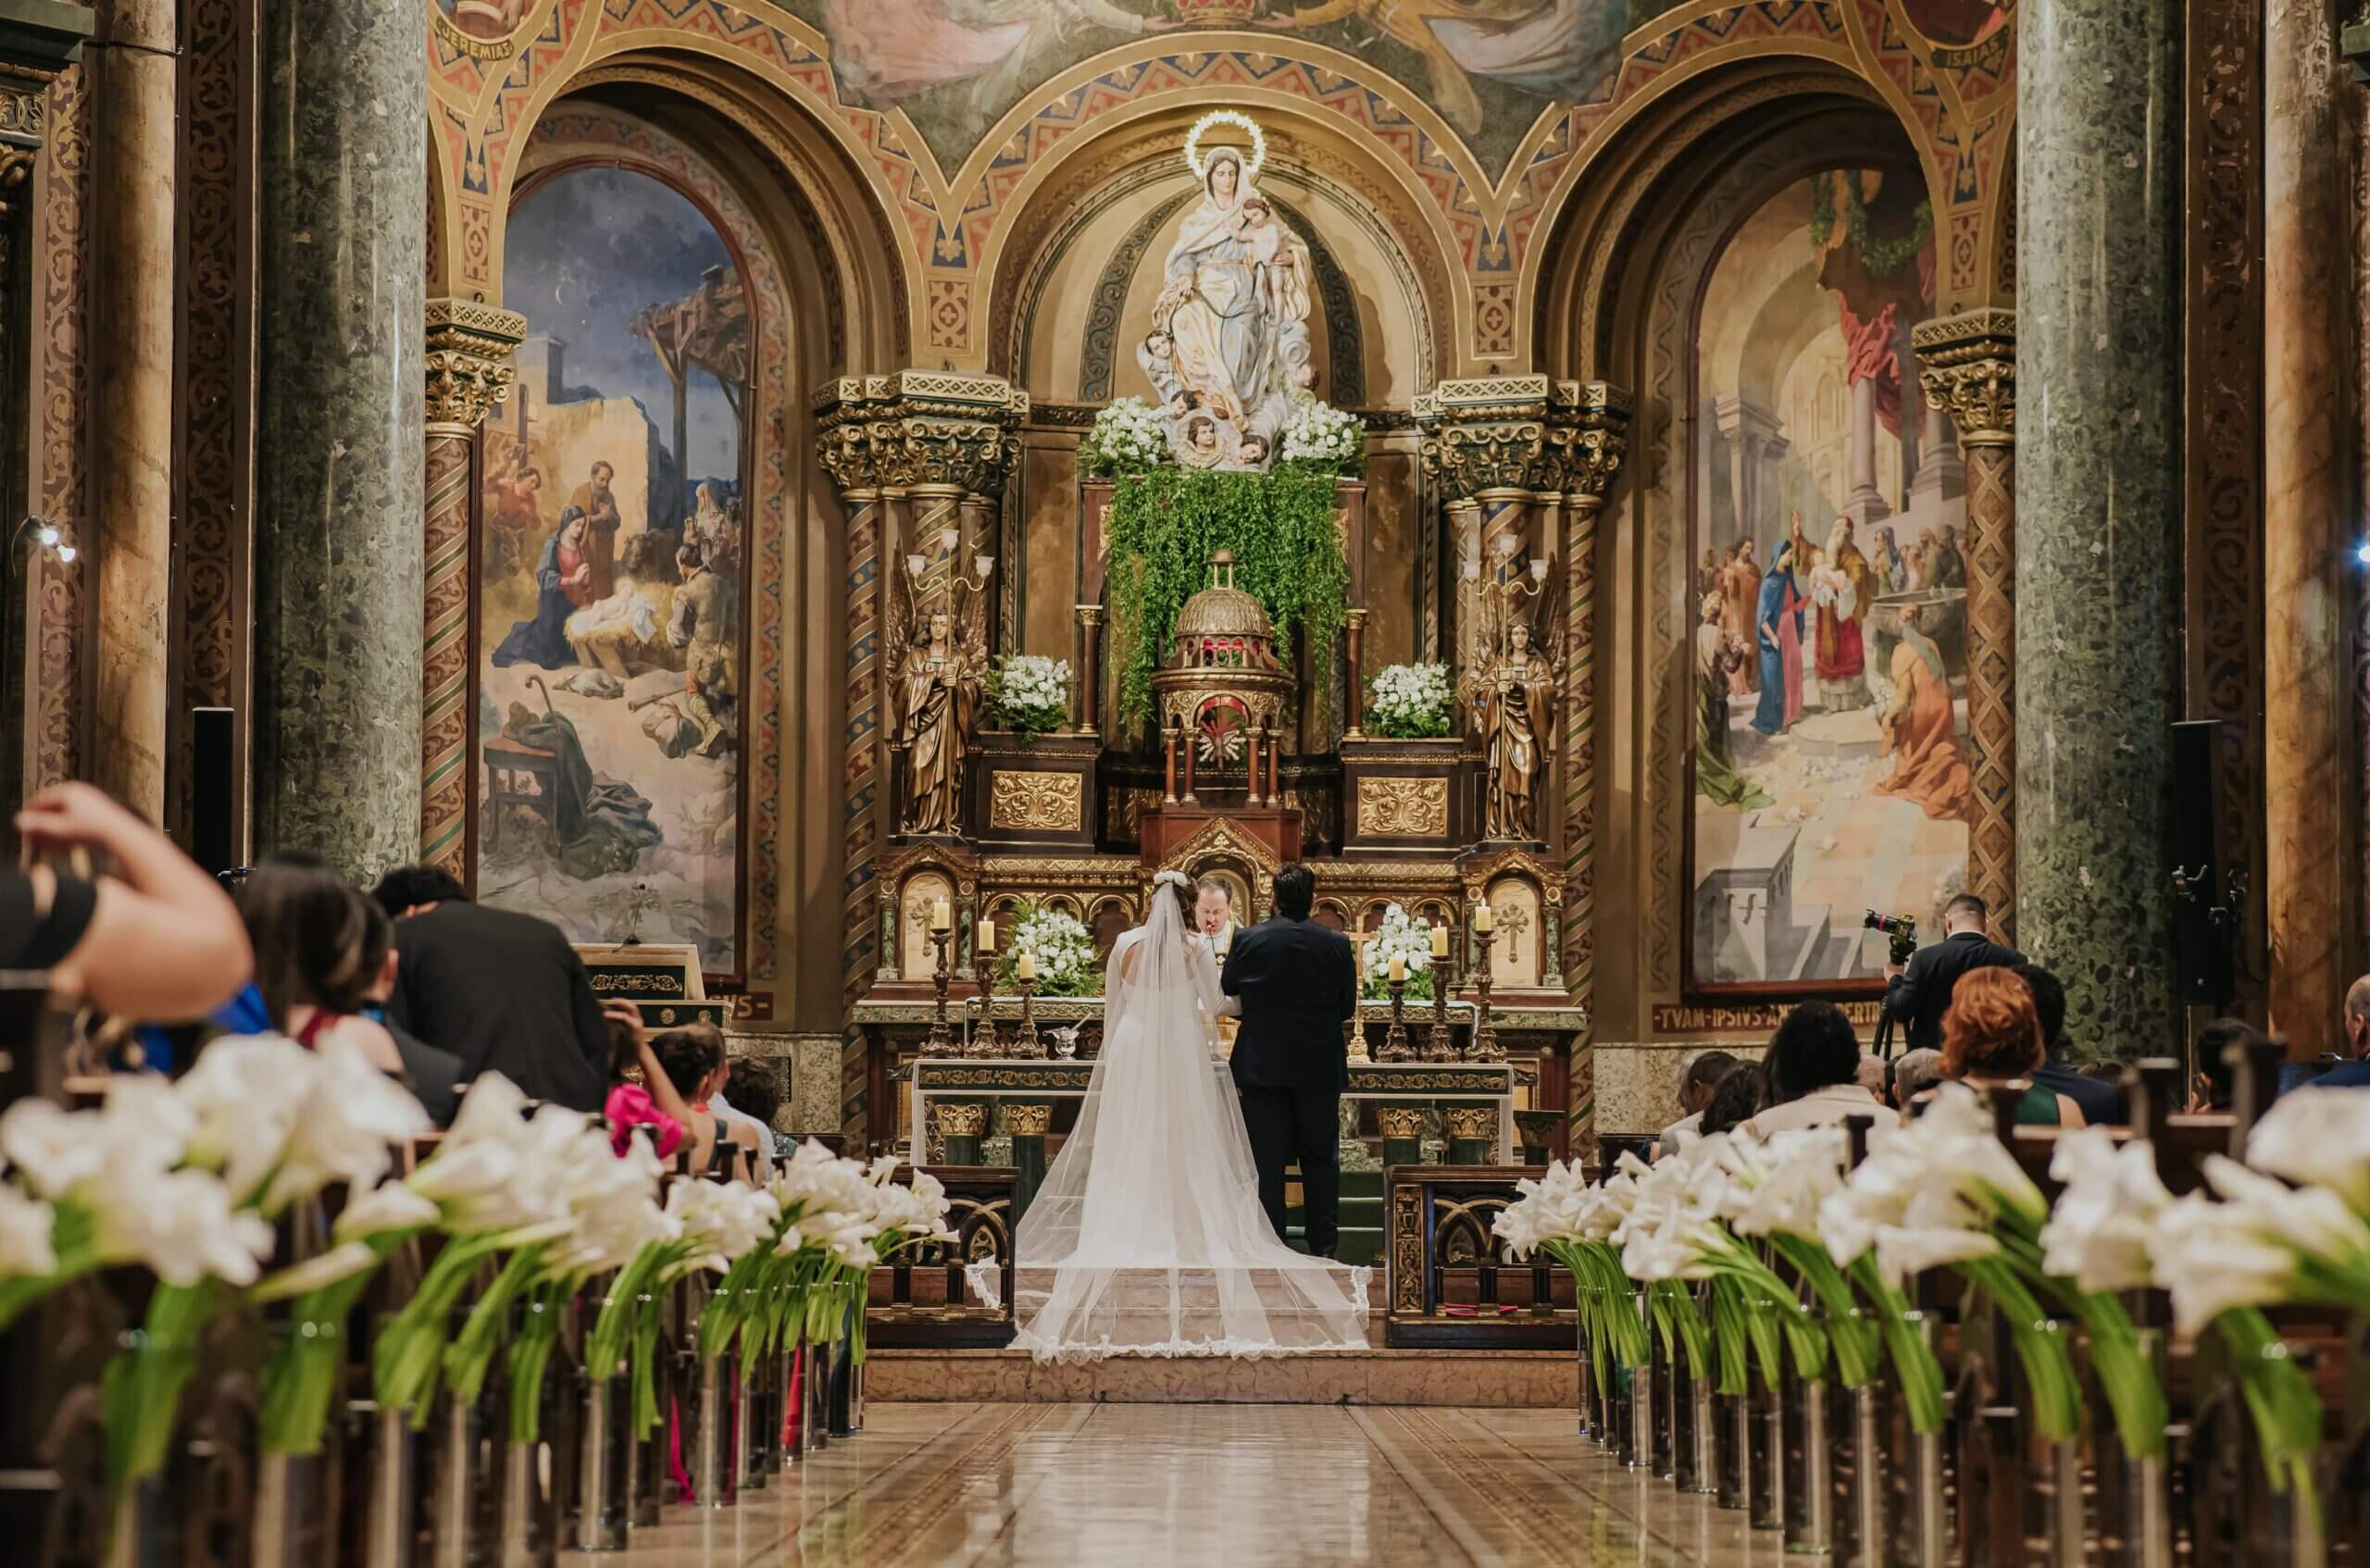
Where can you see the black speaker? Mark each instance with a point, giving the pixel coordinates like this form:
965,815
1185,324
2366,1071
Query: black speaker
214,775
2205,915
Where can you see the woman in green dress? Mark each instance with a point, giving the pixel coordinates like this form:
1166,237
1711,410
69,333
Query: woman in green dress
1991,1034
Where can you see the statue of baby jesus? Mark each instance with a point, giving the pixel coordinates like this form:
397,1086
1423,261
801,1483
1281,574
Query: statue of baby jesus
1272,259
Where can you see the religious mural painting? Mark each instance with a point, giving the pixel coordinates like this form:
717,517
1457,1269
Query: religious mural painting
611,571
1955,21
484,30
1491,68
1828,594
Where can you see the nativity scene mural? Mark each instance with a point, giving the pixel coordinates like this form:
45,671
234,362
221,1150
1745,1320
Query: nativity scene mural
1829,591
611,572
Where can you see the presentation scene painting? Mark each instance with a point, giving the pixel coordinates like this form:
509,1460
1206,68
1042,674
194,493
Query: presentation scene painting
1829,595
610,572
1490,68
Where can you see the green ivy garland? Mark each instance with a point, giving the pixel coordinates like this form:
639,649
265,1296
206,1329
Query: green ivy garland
1881,257
1164,527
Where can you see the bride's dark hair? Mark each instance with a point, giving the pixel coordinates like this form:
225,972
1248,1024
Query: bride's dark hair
1183,892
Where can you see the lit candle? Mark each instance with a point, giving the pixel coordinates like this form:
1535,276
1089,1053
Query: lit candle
1483,920
1026,969
1398,968
1440,940
986,941
941,917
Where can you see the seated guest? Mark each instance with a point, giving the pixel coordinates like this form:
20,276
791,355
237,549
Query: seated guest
2101,1099
1704,1073
693,1059
315,963
2215,1086
1812,1072
151,938
433,1073
641,1092
1915,1076
1991,1034
504,992
2354,1072
756,1089
1874,1074
1734,1101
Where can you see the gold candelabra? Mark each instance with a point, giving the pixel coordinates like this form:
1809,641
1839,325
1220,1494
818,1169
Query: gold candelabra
1394,1040
983,1038
1441,1046
941,1039
1025,1045
1485,1047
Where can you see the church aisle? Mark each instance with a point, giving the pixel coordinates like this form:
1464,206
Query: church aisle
1183,1486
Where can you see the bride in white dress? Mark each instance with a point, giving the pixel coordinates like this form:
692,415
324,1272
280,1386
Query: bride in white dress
1147,1237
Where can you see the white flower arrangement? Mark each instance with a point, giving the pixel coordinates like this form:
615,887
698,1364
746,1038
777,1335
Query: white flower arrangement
1128,437
1410,702
1319,432
1029,692
1399,937
1062,949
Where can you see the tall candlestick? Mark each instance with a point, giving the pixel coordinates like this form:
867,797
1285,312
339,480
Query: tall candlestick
1394,1040
1025,1045
1441,1045
984,1043
1485,1047
942,1040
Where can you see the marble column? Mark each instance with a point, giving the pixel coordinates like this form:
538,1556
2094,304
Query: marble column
1485,444
2099,484
468,374
339,439
135,89
1969,371
1866,502
1591,460
2311,509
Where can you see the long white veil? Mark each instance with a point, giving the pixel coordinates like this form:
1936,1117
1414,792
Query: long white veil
1147,1237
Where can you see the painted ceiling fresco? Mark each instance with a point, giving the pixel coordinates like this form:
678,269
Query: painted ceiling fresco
1490,68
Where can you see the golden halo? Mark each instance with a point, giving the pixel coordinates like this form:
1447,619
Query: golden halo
1225,117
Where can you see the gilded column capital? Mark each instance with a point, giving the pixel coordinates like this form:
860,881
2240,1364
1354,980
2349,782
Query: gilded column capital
933,428
1486,432
468,360
1967,367
1589,435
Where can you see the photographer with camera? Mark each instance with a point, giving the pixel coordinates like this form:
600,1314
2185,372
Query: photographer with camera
1918,992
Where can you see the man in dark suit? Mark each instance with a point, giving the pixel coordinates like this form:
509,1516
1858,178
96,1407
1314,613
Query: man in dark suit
2354,1071
1298,983
2102,1103
503,992
1917,996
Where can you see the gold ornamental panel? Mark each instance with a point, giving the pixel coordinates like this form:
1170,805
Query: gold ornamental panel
1039,803
1403,808
950,1120
1400,1121
1026,1121
1473,1121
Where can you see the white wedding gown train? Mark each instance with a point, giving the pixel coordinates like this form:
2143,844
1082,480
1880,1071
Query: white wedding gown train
1147,1237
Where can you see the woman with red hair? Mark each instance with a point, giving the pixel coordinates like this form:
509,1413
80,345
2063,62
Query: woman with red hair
1992,1034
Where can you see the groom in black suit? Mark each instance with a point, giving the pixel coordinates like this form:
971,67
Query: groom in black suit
1299,984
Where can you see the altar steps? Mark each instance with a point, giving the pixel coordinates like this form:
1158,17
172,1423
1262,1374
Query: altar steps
1474,1379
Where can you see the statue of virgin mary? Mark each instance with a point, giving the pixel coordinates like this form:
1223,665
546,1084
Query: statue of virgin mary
1229,331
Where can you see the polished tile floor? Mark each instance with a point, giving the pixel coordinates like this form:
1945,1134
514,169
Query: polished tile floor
1080,1485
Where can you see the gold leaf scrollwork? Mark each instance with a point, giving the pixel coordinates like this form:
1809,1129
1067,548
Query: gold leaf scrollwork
1028,1120
1400,1121
1473,1121
1403,808
948,1119
1042,803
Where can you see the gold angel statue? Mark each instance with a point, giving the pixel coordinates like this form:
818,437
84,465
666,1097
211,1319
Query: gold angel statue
935,696
1513,669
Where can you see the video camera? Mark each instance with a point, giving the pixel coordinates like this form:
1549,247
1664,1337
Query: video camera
1899,928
